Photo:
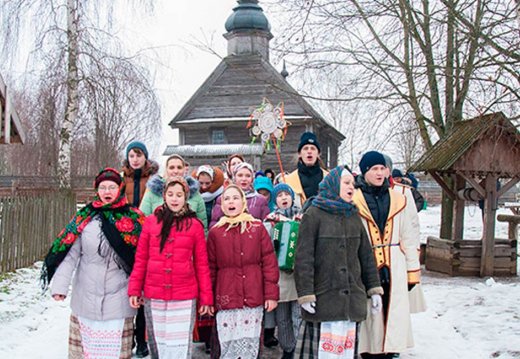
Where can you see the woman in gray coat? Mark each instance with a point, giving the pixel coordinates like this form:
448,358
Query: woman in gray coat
96,252
335,272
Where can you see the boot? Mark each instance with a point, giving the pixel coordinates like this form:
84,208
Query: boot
142,350
269,338
288,355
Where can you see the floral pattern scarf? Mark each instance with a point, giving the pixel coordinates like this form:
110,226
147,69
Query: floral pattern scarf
121,224
328,197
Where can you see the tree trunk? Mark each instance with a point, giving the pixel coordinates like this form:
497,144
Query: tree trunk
64,154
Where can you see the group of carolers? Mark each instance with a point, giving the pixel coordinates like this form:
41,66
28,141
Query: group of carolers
229,258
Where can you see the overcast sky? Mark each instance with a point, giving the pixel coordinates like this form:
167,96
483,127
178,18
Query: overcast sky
180,67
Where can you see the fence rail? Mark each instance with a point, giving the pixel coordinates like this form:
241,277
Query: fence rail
29,223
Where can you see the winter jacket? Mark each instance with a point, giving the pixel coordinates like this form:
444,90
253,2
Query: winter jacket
99,288
334,266
293,180
179,272
244,269
130,176
256,206
394,248
153,198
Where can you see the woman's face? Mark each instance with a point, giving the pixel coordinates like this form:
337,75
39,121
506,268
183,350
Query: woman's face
174,197
243,179
175,167
234,161
283,200
232,202
204,181
309,155
108,191
346,187
136,159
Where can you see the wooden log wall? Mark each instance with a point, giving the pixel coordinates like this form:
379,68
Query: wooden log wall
29,223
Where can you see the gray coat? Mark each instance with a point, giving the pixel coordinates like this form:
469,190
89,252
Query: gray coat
334,266
99,288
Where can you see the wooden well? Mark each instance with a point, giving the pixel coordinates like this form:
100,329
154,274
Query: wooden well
464,257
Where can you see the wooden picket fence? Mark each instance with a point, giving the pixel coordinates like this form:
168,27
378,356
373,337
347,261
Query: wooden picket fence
29,223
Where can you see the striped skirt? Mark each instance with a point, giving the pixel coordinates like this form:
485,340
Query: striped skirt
330,340
170,327
100,339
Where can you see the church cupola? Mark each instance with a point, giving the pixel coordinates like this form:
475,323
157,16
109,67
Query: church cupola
248,30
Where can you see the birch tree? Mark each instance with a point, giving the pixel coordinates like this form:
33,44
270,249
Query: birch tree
75,36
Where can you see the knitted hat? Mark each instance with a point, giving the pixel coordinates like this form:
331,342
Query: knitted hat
389,162
282,187
397,173
308,138
107,174
207,170
139,145
371,159
263,183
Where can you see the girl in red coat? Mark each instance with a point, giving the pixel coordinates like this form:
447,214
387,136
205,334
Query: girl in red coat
171,267
244,273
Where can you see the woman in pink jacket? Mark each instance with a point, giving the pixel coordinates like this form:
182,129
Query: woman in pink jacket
171,267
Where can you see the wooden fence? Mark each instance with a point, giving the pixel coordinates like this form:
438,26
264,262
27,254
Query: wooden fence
29,223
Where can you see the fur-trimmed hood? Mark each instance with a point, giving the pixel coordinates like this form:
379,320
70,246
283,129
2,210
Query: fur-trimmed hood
156,185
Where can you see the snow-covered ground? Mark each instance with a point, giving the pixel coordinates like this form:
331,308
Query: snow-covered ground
467,318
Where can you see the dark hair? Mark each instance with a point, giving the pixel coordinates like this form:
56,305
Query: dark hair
181,221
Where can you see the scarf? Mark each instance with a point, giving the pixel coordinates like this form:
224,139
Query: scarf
328,198
120,223
244,219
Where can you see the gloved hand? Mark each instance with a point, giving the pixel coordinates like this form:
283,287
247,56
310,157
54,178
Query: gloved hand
377,304
309,307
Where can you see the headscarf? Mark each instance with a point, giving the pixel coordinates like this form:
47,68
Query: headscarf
250,192
120,223
244,219
328,197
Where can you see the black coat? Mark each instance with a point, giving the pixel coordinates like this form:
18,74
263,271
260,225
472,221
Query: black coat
334,266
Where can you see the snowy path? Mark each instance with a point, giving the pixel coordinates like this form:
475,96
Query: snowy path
467,318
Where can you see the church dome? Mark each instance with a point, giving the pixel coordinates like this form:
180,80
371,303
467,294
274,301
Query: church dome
248,15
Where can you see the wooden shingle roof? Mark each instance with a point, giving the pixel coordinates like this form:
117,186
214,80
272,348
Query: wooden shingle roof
11,130
448,153
237,86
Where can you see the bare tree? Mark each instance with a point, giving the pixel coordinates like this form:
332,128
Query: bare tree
439,60
74,39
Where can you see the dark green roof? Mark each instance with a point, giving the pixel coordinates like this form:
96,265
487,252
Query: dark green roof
248,15
443,155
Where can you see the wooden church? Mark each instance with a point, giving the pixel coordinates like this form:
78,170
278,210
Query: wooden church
214,122
11,130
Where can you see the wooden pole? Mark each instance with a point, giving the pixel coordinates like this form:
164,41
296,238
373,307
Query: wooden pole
488,238
457,233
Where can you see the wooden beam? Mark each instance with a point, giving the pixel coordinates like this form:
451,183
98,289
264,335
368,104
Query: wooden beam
488,239
443,184
7,120
475,185
506,187
458,210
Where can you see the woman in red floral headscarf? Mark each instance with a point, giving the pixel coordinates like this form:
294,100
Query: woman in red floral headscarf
96,252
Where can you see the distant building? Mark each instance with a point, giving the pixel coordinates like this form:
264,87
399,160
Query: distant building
11,130
213,123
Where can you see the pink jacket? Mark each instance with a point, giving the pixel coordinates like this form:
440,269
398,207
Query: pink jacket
172,274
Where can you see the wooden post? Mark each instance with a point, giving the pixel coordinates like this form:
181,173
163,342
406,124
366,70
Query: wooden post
488,239
458,213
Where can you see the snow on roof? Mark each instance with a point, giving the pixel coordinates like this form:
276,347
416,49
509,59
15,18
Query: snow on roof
214,150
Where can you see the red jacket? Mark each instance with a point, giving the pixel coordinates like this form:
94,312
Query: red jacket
244,269
179,272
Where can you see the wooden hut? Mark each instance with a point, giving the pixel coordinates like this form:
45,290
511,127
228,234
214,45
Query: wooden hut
10,125
218,113
477,152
